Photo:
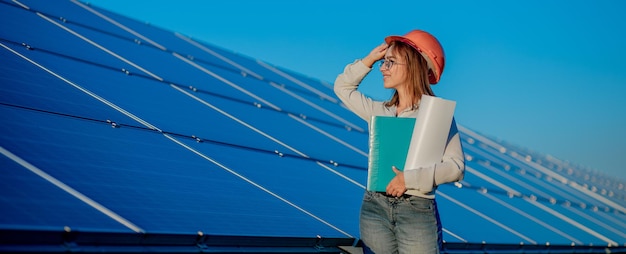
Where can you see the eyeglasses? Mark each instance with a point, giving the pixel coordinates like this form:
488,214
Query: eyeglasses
387,64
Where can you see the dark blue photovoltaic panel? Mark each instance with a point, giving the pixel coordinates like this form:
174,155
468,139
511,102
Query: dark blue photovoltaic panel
160,106
113,125
30,202
112,172
546,200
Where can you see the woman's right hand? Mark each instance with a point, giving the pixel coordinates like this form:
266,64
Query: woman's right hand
376,54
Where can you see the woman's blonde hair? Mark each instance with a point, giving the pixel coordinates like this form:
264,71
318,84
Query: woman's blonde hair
417,73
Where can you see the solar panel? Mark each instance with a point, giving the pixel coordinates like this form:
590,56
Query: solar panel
113,126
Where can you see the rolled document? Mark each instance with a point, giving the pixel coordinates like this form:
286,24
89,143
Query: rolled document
430,134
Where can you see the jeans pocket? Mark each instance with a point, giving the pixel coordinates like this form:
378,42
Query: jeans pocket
423,205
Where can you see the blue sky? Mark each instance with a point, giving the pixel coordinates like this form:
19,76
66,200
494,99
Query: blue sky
549,76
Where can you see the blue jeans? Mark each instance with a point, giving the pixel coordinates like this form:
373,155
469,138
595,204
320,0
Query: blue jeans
399,225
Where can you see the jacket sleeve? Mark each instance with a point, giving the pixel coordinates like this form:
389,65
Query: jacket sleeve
450,169
346,85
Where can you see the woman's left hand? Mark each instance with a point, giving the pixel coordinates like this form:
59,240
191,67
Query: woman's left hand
396,187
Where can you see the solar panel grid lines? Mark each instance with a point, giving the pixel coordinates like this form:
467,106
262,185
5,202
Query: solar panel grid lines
614,219
71,191
576,186
533,199
482,139
589,175
265,189
578,212
486,217
54,204
244,70
576,224
506,188
511,178
104,101
313,105
545,208
510,192
604,225
453,235
521,163
290,90
115,124
359,184
226,81
265,65
565,198
81,38
281,86
298,82
338,140
119,25
521,222
539,173
83,90
582,175
230,83
102,48
192,88
86,61
134,40
244,123
273,154
533,218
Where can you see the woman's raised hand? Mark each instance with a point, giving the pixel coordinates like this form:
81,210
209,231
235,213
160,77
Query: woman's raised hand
376,54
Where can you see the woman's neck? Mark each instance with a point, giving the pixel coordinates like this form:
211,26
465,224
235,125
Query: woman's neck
404,101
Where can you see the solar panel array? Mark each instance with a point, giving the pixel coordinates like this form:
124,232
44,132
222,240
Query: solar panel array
110,125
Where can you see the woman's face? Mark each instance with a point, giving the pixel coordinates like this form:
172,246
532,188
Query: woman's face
393,69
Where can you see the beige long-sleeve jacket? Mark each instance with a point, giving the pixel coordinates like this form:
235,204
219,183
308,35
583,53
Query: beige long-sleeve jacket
422,181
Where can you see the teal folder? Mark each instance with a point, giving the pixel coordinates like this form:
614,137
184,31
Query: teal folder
390,138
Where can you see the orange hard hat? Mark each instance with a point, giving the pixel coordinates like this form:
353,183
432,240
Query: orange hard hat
429,47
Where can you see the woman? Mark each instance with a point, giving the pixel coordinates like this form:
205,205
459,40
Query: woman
404,219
